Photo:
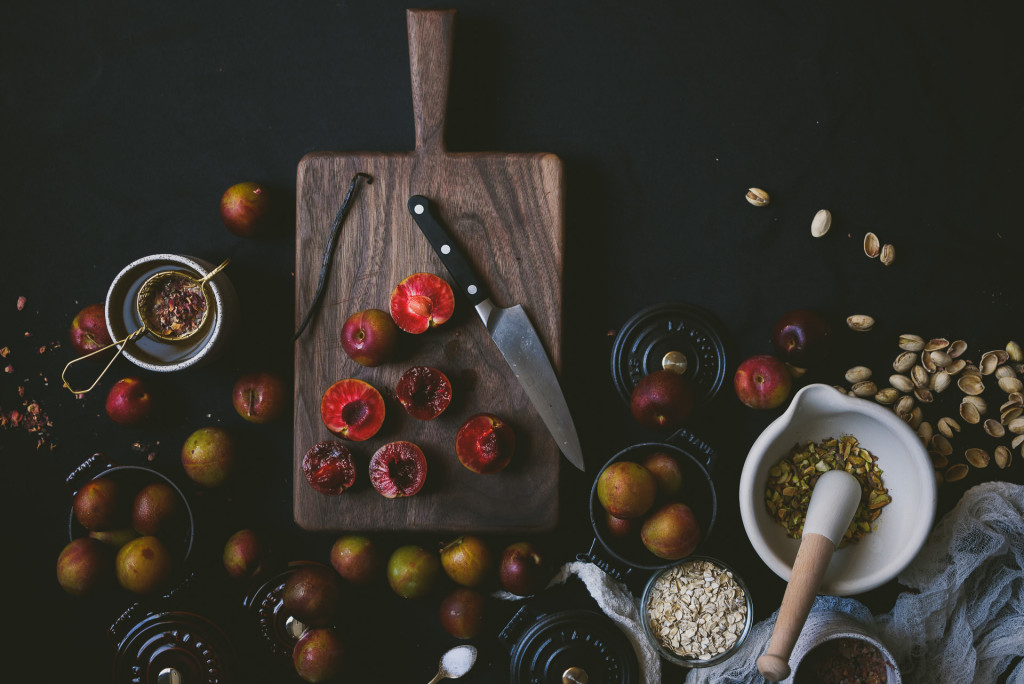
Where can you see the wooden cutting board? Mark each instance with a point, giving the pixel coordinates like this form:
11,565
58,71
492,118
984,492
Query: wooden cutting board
506,211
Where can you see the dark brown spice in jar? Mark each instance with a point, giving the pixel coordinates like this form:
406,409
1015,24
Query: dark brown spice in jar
843,661
176,308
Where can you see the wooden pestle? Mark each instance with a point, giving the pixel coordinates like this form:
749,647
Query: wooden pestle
833,503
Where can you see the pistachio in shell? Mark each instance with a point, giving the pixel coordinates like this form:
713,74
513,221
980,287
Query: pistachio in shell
887,255
901,382
1002,456
936,344
758,197
860,322
940,445
889,395
821,222
904,362
914,343
858,374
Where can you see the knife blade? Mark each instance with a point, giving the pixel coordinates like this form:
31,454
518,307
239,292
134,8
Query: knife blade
510,329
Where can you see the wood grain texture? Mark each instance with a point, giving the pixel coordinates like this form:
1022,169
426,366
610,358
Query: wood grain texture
506,212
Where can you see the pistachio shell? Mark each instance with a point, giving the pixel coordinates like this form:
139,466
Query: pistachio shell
924,395
1016,426
989,361
994,428
915,418
1014,351
955,367
1013,402
888,255
1010,414
858,374
955,472
978,403
928,362
947,426
1010,385
914,343
970,413
860,322
925,432
940,445
821,222
971,369
978,458
920,376
936,344
957,348
941,381
758,197
1005,372
872,247
939,461
971,384
1017,441
1003,456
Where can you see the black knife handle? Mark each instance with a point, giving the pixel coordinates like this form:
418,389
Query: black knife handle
425,214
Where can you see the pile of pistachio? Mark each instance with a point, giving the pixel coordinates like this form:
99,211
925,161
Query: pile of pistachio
926,368
790,482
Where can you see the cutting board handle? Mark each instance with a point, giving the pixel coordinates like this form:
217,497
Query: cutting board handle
430,60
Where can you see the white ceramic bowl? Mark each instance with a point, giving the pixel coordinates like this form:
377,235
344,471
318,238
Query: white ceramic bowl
818,412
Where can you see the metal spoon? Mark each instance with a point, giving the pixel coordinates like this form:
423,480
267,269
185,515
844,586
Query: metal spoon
455,663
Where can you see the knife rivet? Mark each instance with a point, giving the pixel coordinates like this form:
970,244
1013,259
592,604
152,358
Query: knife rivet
471,289
418,208
446,249
675,361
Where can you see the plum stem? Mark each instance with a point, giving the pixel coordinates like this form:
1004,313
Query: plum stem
325,268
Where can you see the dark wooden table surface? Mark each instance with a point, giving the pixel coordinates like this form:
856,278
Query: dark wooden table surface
123,123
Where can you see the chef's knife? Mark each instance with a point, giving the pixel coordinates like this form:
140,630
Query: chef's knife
511,331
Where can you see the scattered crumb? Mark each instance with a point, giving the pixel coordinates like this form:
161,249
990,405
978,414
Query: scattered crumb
5,352
21,303
42,350
9,369
28,334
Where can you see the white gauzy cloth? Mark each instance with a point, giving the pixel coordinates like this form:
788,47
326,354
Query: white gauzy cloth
964,620
618,604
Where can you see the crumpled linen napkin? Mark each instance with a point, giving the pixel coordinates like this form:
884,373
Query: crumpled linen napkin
962,622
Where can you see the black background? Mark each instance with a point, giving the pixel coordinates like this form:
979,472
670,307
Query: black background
123,123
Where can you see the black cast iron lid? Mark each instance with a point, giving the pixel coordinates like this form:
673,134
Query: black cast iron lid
671,334
567,647
172,647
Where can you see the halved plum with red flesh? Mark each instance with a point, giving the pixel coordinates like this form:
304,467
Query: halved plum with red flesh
422,301
329,468
424,392
485,443
352,409
398,469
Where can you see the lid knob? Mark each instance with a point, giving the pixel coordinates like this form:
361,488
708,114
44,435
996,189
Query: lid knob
294,627
675,361
575,675
169,675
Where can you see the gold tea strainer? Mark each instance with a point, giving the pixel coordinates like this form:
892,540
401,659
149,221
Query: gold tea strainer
172,305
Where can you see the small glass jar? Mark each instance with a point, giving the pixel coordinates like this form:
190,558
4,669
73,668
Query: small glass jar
688,661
